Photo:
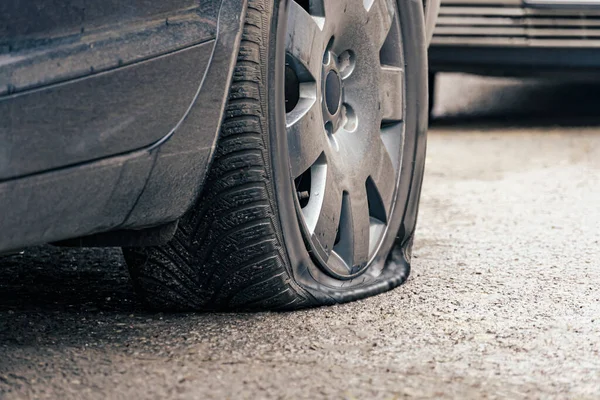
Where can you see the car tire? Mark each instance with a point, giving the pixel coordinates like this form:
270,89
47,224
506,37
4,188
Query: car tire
248,242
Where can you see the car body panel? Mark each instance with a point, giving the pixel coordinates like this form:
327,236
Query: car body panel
44,42
83,80
150,177
108,113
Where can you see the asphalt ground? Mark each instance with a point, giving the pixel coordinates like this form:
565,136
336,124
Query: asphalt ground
503,300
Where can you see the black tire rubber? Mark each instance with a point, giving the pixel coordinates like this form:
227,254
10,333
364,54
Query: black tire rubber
238,247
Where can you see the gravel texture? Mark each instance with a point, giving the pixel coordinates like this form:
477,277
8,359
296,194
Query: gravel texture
503,300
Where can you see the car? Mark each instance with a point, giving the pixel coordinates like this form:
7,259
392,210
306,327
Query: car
246,154
557,39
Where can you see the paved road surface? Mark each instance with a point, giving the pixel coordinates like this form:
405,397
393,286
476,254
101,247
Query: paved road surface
503,302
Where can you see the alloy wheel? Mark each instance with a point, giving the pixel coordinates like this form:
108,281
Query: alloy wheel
344,84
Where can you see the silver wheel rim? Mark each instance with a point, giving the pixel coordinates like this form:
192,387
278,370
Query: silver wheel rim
344,126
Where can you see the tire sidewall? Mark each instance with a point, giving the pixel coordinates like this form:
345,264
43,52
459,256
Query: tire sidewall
392,263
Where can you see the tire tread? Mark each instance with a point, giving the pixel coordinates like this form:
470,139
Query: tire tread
227,252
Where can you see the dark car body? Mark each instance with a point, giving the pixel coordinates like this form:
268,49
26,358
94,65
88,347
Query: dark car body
518,38
109,111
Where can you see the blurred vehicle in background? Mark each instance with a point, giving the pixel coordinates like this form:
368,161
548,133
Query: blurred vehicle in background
541,38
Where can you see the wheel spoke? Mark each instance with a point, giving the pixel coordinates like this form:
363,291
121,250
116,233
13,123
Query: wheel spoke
305,39
390,97
360,226
325,230
345,242
393,140
306,136
381,184
381,16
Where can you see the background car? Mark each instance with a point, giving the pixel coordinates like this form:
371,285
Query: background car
260,154
541,38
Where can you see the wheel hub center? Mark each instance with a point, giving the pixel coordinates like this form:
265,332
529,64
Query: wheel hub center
333,91
332,94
